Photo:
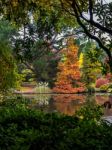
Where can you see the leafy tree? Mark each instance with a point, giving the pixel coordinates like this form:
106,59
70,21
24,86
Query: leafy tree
8,68
101,81
97,28
91,65
40,43
68,77
20,12
38,57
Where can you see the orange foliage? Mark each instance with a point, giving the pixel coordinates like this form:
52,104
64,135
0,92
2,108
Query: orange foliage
68,77
69,98
68,103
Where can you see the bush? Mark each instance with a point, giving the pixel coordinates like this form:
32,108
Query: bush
101,81
104,87
26,129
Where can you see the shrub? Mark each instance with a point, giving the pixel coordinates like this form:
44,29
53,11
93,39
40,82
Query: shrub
23,128
101,81
26,129
104,87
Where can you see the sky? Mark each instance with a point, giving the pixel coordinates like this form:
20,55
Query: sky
108,1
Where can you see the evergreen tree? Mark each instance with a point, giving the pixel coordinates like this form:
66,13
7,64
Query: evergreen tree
69,77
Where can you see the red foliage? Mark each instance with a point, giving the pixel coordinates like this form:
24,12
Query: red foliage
101,81
63,87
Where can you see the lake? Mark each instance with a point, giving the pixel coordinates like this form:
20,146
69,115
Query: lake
68,103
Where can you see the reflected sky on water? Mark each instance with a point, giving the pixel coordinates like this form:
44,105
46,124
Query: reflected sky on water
68,103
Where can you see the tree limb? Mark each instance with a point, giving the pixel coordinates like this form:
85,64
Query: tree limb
90,21
91,9
88,33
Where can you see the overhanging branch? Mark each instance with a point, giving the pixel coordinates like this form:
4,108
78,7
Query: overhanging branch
90,21
88,33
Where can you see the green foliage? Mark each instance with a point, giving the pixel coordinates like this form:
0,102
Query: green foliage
95,31
7,30
41,41
104,87
37,56
91,66
109,89
24,128
90,113
109,85
8,68
18,11
27,75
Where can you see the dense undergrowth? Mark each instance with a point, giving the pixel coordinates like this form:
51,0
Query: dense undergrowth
23,128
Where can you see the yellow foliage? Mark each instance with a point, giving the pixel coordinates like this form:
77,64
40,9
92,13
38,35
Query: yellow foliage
81,57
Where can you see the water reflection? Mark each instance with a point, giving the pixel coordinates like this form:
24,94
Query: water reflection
68,103
106,101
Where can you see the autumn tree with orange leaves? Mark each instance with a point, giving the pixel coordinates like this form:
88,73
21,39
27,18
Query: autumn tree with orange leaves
69,76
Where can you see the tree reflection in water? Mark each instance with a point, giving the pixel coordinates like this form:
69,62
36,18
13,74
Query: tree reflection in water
68,103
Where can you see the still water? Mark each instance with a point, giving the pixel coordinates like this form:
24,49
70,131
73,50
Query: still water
67,103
